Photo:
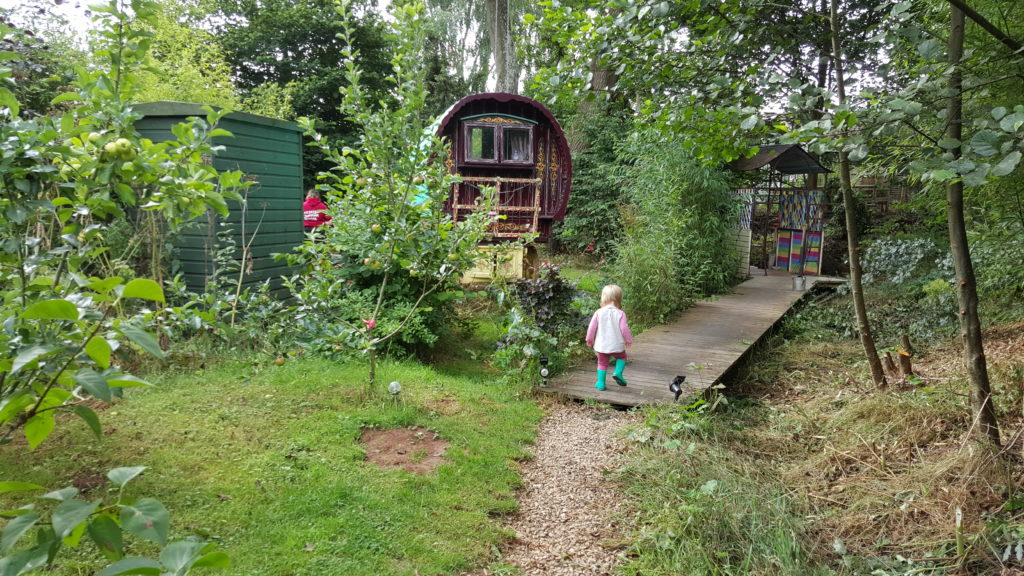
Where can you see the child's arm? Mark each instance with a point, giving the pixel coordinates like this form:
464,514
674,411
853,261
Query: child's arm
592,330
624,328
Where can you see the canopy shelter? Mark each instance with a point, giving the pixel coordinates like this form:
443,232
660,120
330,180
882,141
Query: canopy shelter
782,221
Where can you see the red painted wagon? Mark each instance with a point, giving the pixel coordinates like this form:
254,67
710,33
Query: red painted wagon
514,144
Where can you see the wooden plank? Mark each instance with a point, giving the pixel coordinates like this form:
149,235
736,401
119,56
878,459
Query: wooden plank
702,344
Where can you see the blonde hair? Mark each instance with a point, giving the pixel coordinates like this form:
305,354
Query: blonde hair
313,193
611,294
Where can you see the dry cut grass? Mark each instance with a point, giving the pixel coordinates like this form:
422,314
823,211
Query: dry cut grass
897,472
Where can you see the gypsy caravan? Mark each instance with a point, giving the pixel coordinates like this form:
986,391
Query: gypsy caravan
515,145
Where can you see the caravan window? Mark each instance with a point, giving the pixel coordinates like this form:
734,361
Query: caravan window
488,143
481,143
518,145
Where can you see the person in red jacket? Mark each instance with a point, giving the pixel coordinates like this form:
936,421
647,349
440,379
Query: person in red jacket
314,211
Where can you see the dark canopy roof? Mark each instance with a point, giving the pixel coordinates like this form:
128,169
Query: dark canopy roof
786,158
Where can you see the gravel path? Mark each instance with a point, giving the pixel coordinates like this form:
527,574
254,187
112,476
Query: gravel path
569,507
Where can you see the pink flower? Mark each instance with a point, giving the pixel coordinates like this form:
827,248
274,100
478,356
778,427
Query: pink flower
370,323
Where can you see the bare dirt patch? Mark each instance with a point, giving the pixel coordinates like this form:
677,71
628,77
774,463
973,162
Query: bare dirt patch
415,450
89,480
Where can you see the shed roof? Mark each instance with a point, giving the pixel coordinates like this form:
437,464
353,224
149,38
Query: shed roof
169,108
786,158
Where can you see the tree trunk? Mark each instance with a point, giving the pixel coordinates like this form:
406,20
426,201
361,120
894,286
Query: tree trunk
967,293
906,354
506,73
852,240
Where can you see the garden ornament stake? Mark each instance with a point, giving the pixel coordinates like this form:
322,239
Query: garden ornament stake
544,373
676,386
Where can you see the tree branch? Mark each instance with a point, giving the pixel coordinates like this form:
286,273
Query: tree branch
988,26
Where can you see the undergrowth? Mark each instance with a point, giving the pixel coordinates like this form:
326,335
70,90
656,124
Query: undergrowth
809,469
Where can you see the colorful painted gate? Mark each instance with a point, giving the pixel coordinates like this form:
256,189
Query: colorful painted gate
798,238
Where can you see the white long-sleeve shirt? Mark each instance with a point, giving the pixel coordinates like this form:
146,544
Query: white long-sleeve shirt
609,330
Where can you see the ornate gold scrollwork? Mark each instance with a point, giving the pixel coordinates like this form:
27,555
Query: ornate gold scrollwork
500,120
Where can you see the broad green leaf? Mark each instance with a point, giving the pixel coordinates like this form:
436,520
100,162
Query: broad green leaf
104,285
985,143
57,396
178,557
127,566
126,381
106,533
998,112
18,486
749,123
99,350
7,99
144,339
1007,164
66,97
859,152
90,418
143,288
94,383
1012,123
213,560
147,519
38,427
72,540
70,513
930,49
25,561
28,355
942,175
56,309
949,143
16,404
122,476
62,494
977,177
15,528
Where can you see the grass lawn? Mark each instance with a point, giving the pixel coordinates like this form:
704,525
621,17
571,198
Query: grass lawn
267,461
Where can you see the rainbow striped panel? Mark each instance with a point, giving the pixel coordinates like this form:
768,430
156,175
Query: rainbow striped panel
782,249
812,256
795,244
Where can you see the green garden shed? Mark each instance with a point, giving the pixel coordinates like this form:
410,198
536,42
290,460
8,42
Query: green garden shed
269,152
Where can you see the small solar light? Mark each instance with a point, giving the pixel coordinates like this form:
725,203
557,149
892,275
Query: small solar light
544,372
394,388
676,386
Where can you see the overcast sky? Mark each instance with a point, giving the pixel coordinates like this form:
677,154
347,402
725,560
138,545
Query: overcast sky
74,11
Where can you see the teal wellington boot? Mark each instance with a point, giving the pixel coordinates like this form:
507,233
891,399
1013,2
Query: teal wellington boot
601,374
620,365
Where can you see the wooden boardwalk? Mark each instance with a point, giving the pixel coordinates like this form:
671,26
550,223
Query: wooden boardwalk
702,344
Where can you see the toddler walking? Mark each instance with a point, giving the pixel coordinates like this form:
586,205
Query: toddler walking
609,335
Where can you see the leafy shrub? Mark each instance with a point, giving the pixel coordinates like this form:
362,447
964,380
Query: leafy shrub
106,521
383,272
904,259
590,224
647,269
69,325
678,232
997,253
551,300
544,317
